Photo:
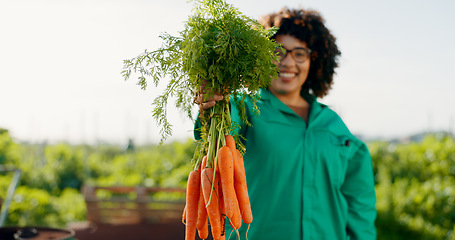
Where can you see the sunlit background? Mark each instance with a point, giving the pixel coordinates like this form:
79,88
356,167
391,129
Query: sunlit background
60,64
69,123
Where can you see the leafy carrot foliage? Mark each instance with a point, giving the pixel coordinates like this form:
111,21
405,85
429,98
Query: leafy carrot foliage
230,51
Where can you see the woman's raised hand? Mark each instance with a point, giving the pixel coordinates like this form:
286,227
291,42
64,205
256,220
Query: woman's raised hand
204,101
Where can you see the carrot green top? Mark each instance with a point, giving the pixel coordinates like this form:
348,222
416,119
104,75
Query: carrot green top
220,48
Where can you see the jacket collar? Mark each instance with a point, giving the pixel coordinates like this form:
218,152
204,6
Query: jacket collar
315,106
268,96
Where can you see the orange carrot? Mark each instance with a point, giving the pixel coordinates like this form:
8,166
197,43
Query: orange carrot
184,215
204,230
202,223
220,193
244,202
239,168
230,142
213,208
204,163
241,189
226,166
236,220
221,202
220,238
192,199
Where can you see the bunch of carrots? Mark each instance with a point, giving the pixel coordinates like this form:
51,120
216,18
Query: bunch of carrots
229,54
225,200
217,189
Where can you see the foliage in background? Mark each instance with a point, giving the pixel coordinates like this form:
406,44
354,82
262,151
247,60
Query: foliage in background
7,147
52,175
151,166
415,185
415,182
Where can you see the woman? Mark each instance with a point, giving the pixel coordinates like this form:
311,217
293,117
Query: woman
308,176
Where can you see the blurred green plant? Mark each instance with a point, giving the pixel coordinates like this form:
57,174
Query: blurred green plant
8,148
165,165
37,207
52,175
415,185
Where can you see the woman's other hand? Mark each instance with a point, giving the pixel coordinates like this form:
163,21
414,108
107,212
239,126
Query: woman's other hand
204,101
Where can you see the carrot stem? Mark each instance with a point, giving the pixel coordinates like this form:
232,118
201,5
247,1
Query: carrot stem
213,139
212,142
198,155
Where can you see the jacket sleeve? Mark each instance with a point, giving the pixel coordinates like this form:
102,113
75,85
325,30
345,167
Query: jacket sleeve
358,189
197,127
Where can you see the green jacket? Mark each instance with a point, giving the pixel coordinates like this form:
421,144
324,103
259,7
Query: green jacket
305,180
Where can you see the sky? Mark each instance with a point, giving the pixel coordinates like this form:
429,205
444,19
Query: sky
60,65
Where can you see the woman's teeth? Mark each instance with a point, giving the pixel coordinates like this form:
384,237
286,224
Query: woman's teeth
287,75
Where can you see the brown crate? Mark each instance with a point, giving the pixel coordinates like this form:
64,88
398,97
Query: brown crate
132,205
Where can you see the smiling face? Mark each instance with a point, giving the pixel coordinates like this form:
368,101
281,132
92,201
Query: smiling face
292,74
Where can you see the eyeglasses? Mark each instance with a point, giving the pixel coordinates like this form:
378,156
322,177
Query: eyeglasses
299,54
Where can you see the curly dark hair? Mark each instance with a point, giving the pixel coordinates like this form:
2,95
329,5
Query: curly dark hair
308,26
